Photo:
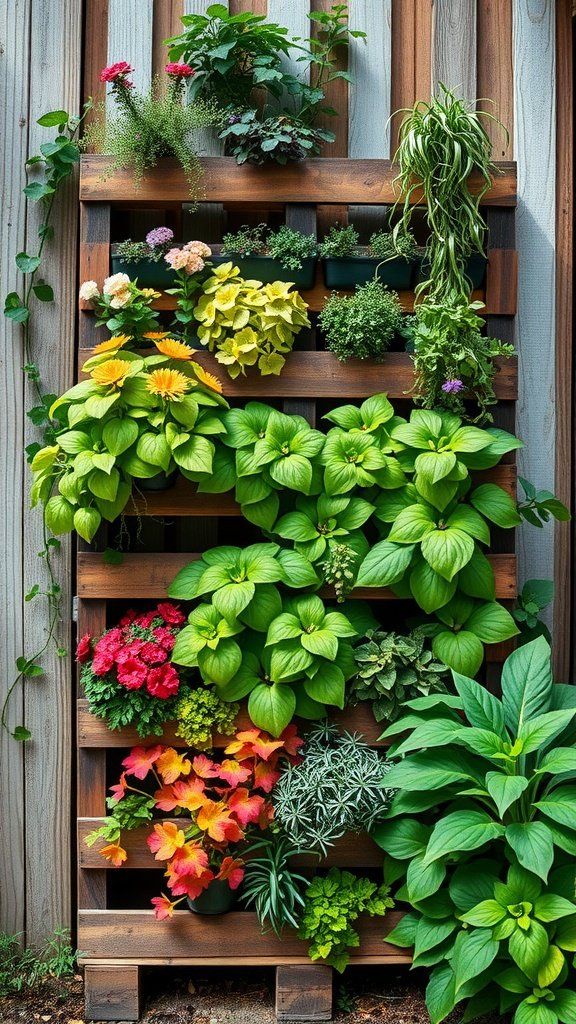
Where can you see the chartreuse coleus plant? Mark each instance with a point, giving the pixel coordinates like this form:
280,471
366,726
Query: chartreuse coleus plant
482,833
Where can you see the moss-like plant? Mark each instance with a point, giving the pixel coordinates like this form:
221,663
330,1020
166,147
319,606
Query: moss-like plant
342,241
286,244
362,325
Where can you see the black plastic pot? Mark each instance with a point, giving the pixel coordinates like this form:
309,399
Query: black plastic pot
267,269
218,898
348,271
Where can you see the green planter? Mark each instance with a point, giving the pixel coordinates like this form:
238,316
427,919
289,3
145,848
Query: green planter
149,274
218,898
475,270
348,271
267,269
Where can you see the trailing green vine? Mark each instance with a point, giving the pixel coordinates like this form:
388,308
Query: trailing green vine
55,162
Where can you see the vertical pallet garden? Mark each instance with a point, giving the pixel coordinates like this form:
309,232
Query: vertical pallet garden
118,938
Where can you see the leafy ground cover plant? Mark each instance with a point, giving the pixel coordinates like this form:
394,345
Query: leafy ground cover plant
337,787
453,360
440,144
331,905
362,325
201,713
219,802
393,668
486,850
280,138
150,126
247,323
285,244
271,886
342,241
23,968
158,242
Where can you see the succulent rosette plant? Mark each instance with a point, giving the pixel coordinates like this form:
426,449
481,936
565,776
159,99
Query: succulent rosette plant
218,803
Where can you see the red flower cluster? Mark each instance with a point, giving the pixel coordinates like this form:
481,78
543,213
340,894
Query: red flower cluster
179,70
117,73
137,651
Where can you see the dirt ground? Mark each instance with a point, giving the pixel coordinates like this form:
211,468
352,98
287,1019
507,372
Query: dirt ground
200,996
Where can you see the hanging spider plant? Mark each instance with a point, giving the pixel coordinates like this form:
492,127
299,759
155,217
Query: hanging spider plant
441,144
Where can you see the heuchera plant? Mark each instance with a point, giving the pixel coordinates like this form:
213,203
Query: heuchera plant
219,803
482,832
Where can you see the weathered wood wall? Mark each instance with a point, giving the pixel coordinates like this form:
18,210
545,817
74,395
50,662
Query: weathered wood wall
500,49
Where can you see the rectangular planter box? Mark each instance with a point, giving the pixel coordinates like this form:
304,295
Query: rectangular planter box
345,272
267,269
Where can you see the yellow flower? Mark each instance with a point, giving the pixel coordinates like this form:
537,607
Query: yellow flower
169,384
112,343
156,335
111,373
174,349
207,378
149,293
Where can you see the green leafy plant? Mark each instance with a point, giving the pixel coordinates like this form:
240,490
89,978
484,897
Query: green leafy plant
538,506
393,668
532,599
465,625
201,713
362,325
123,308
271,886
248,323
453,360
342,241
331,905
286,244
336,788
320,524
440,144
150,126
281,138
26,967
339,569
487,860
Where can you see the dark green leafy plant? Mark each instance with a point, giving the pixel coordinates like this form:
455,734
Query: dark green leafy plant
339,569
281,138
362,325
533,598
321,524
287,245
441,143
336,788
486,849
271,886
539,506
331,905
453,360
393,668
341,240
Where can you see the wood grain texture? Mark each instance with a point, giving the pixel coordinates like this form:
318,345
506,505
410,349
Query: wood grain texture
14,32
95,50
303,993
112,992
495,72
130,38
411,57
563,655
149,575
166,23
454,47
194,939
535,95
351,181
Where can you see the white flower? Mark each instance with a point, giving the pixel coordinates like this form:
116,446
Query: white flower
116,283
89,290
121,298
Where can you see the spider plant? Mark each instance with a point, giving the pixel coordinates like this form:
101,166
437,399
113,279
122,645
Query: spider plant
441,144
271,886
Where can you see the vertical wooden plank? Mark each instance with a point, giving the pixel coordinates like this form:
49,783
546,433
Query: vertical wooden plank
534,97
370,97
14,32
55,56
454,47
166,23
411,57
336,94
255,6
564,648
95,49
303,992
495,73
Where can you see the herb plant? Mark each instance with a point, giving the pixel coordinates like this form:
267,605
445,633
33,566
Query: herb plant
441,144
342,241
532,599
158,242
25,968
271,886
286,245
280,138
486,849
331,905
393,668
336,788
362,325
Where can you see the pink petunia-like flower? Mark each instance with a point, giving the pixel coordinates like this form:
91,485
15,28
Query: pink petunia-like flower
179,70
84,648
129,618
170,613
165,637
102,662
153,654
132,672
163,681
116,71
159,236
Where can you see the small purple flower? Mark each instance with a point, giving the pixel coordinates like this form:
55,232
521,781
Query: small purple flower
452,387
234,119
159,236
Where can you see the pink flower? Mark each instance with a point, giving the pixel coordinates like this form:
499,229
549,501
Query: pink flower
199,248
128,619
146,620
115,71
180,70
177,259
102,662
131,650
153,654
170,613
84,649
163,682
165,637
132,673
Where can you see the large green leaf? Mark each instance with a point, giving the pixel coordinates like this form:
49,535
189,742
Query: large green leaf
485,914
272,707
558,761
431,933
441,993
327,686
296,526
533,846
154,448
195,455
297,570
220,666
434,733
461,651
404,933
434,466
492,623
550,907
565,1005
477,577
59,514
430,590
294,472
423,880
467,519
528,948
481,708
559,804
469,439
537,731
460,831
505,789
439,768
233,598
119,434
104,485
496,505
473,883
447,551
86,523
289,661
385,564
402,839
474,951
321,642
264,607
412,525
526,683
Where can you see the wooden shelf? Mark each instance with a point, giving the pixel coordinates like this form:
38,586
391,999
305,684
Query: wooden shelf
316,375
369,182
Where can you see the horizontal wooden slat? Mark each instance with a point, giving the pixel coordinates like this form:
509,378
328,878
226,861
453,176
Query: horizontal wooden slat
149,575
183,499
322,375
189,938
367,182
359,850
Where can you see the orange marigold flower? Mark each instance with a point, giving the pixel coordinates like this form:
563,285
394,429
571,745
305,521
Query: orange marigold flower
173,348
111,373
112,343
115,854
170,384
207,378
156,335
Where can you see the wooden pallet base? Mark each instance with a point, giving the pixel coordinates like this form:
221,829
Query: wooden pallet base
112,992
304,993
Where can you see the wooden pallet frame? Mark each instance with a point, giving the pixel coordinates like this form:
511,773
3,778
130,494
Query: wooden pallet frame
117,943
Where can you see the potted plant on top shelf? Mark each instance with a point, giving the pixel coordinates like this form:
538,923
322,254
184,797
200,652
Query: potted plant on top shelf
268,255
389,258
